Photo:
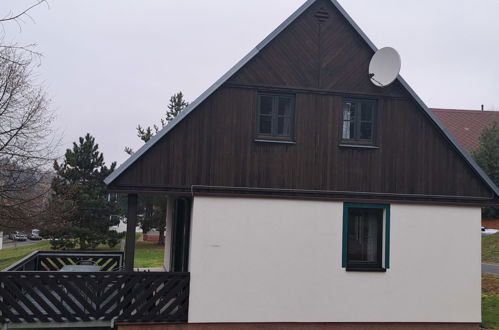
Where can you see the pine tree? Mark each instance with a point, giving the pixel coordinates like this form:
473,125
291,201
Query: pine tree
153,207
176,105
79,186
487,156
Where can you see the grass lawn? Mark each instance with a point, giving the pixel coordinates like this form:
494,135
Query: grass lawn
490,301
10,255
490,249
490,283
147,255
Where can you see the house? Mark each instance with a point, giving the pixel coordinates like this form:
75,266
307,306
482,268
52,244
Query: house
302,196
466,125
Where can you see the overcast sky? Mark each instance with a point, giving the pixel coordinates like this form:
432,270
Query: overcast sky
110,65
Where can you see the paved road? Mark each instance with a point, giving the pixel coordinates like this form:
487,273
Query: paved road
27,242
488,268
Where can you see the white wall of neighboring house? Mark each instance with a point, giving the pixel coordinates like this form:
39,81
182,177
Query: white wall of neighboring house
275,260
121,226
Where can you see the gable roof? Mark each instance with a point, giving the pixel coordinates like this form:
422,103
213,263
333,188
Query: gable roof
466,125
251,55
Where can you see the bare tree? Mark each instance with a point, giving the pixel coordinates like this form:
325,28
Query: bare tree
19,18
26,139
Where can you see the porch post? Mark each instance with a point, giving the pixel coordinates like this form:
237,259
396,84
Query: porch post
130,232
170,201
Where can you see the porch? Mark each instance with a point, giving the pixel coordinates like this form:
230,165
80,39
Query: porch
56,289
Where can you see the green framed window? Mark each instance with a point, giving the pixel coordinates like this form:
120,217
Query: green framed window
275,116
358,125
366,237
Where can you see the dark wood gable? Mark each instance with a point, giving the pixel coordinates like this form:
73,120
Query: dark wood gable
320,50
321,60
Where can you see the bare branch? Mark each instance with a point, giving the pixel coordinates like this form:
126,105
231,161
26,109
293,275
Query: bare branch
16,17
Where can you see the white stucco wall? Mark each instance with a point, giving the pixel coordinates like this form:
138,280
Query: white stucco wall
271,260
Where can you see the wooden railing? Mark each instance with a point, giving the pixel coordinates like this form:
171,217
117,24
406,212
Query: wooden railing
55,260
48,297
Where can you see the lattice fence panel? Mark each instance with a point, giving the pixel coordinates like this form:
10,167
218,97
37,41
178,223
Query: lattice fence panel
27,297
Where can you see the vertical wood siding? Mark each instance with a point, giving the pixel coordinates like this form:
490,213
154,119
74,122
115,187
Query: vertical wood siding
215,146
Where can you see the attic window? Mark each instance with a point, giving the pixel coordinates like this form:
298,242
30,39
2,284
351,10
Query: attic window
275,116
358,125
321,15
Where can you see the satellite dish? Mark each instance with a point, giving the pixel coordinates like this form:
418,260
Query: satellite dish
384,67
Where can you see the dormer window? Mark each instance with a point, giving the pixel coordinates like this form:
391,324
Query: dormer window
358,126
275,116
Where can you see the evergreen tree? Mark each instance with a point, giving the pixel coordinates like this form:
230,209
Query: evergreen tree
154,207
78,186
176,105
487,156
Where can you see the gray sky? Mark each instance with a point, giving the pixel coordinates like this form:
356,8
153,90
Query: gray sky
110,65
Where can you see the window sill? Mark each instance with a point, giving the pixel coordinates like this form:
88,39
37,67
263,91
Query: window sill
376,270
359,146
274,141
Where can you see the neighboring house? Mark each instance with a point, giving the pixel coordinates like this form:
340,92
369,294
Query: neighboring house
302,196
466,125
121,227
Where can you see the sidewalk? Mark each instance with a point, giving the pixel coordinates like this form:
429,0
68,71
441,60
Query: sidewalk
490,268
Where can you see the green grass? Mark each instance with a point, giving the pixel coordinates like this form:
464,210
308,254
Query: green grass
490,249
147,255
490,283
10,255
490,301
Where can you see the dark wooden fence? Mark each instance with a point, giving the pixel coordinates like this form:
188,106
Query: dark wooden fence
34,297
55,260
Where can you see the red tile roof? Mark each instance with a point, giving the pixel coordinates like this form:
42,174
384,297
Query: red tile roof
466,125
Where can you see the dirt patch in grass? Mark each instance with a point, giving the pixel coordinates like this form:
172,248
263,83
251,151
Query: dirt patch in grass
490,284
